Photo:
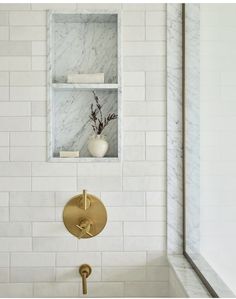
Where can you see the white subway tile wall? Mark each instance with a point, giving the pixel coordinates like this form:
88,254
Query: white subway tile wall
38,257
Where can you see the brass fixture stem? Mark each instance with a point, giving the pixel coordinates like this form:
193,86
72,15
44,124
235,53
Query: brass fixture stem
85,270
84,283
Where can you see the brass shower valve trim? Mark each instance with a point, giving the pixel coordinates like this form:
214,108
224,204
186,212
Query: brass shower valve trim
84,215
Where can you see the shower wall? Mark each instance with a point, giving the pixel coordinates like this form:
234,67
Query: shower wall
38,257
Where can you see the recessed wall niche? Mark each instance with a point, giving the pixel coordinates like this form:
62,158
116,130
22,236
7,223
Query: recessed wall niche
87,44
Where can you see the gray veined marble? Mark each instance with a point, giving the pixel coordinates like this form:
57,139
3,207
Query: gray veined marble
71,124
85,48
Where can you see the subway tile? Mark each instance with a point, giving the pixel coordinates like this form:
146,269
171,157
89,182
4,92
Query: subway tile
146,289
134,138
4,33
28,153
133,18
31,274
126,213
122,199
124,274
53,6
39,48
55,244
155,18
15,6
15,244
77,258
155,33
53,169
49,229
4,139
103,289
134,93
4,154
15,123
144,63
137,108
70,274
56,290
54,184
4,199
155,93
28,93
156,153
4,93
32,259
26,33
144,168
4,275
156,78
3,18
134,78
4,259
15,109
112,229
157,258
15,48
140,243
156,198
32,199
15,63
15,169
28,78
4,78
99,169
101,244
144,48
157,273
38,123
133,33
151,183
39,63
32,214
38,108
145,228
14,290
125,259
99,183
134,153
156,138
12,229
15,184
61,198
144,123
28,139
156,213
4,214
22,18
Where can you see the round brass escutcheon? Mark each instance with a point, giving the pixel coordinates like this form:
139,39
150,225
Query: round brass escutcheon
84,216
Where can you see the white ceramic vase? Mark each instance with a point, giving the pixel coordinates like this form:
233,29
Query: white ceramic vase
98,146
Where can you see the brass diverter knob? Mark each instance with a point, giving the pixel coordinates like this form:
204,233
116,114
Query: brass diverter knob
84,215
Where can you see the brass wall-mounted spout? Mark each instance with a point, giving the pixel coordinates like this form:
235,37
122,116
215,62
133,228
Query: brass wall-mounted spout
85,270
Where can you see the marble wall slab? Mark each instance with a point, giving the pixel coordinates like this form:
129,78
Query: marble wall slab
87,47
71,125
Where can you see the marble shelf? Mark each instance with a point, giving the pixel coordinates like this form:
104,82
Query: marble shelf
84,86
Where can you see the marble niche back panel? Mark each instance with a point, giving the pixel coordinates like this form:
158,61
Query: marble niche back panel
85,45
71,125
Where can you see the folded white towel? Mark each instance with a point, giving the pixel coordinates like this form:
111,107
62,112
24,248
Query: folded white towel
85,78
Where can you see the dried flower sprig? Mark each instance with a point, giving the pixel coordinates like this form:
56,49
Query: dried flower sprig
96,117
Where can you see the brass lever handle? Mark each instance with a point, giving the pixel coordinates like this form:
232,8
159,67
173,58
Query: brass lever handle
85,270
84,226
84,202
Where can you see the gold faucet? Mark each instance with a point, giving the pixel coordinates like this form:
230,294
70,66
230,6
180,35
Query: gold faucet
85,270
84,226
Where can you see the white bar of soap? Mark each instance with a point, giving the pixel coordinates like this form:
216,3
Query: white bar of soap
69,154
85,78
